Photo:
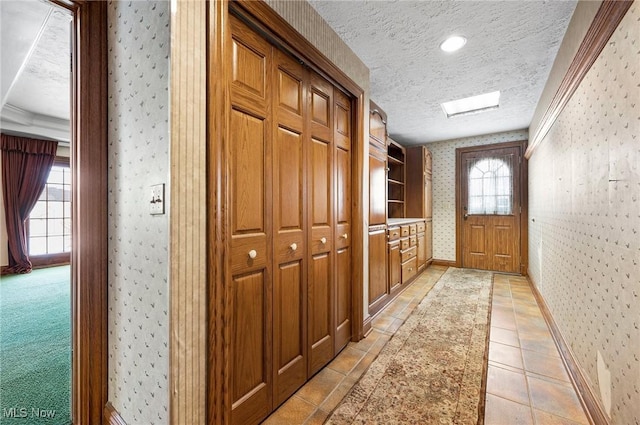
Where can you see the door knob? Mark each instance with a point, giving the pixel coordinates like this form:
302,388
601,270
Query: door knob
466,216
293,246
253,254
323,240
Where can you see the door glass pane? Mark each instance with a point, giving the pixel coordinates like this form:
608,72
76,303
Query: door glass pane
490,185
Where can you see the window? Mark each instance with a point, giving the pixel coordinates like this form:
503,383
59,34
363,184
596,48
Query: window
490,185
49,227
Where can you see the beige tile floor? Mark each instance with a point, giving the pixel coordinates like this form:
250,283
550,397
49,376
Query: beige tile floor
527,382
526,379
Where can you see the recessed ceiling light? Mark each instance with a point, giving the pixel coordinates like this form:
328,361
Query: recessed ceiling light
453,43
473,104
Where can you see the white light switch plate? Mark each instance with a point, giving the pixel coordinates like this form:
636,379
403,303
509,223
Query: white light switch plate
156,205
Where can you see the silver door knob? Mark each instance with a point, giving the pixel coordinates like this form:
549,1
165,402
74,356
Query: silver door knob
253,254
323,240
293,246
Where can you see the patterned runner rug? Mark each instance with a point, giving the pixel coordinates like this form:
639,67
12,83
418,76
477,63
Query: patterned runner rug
433,370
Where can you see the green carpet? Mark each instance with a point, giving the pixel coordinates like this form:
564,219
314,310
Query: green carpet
35,347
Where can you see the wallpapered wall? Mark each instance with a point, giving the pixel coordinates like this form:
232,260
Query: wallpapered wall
138,43
584,229
444,187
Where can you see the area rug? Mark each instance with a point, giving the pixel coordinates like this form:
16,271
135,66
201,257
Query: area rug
433,370
35,347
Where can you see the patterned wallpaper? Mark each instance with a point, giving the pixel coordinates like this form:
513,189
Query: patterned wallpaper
444,187
138,43
584,228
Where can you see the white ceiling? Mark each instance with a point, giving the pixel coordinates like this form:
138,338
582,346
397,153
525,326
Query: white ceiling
35,69
511,46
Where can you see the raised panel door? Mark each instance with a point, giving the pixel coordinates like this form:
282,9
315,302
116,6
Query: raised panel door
429,240
289,206
422,250
377,188
342,142
378,284
395,265
249,215
321,313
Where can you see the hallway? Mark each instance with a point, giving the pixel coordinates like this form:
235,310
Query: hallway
526,380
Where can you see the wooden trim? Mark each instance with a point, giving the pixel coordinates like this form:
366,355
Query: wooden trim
111,415
445,263
524,201
89,215
589,401
188,220
357,213
218,397
604,24
366,325
50,260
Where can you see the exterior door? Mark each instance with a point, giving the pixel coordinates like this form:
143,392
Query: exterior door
491,207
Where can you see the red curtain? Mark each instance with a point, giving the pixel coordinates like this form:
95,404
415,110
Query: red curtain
26,164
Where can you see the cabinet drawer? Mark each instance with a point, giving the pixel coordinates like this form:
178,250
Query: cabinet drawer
409,269
421,227
408,254
412,229
394,233
413,240
404,244
404,231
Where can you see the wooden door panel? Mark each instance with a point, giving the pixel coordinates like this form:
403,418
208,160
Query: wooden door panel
320,183
395,265
478,239
343,299
342,118
289,332
250,384
422,249
289,167
505,246
377,190
428,202
320,334
377,267
250,64
428,240
248,151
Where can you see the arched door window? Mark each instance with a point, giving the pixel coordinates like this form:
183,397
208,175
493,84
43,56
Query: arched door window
490,185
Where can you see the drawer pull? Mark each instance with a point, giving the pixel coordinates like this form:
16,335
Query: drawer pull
410,269
293,246
345,236
253,254
323,240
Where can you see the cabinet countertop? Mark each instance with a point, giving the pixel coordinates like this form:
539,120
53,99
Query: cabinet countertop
401,221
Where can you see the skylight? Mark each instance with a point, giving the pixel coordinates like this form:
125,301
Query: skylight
472,105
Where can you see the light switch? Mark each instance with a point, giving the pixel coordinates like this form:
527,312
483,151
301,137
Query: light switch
156,205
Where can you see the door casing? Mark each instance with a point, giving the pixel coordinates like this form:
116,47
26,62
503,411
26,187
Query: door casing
523,201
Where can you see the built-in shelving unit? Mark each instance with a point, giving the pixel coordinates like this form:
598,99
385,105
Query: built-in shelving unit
396,177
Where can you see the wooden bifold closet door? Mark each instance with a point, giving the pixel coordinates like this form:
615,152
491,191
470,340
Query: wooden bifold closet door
289,211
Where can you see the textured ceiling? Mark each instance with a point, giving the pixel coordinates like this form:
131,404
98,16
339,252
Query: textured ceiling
35,68
511,47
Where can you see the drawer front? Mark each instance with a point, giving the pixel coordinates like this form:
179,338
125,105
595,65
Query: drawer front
409,269
404,231
404,244
408,254
394,233
412,229
413,240
421,227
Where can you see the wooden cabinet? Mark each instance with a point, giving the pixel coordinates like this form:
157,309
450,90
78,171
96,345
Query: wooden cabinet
395,262
378,285
395,180
289,225
419,181
377,187
377,127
